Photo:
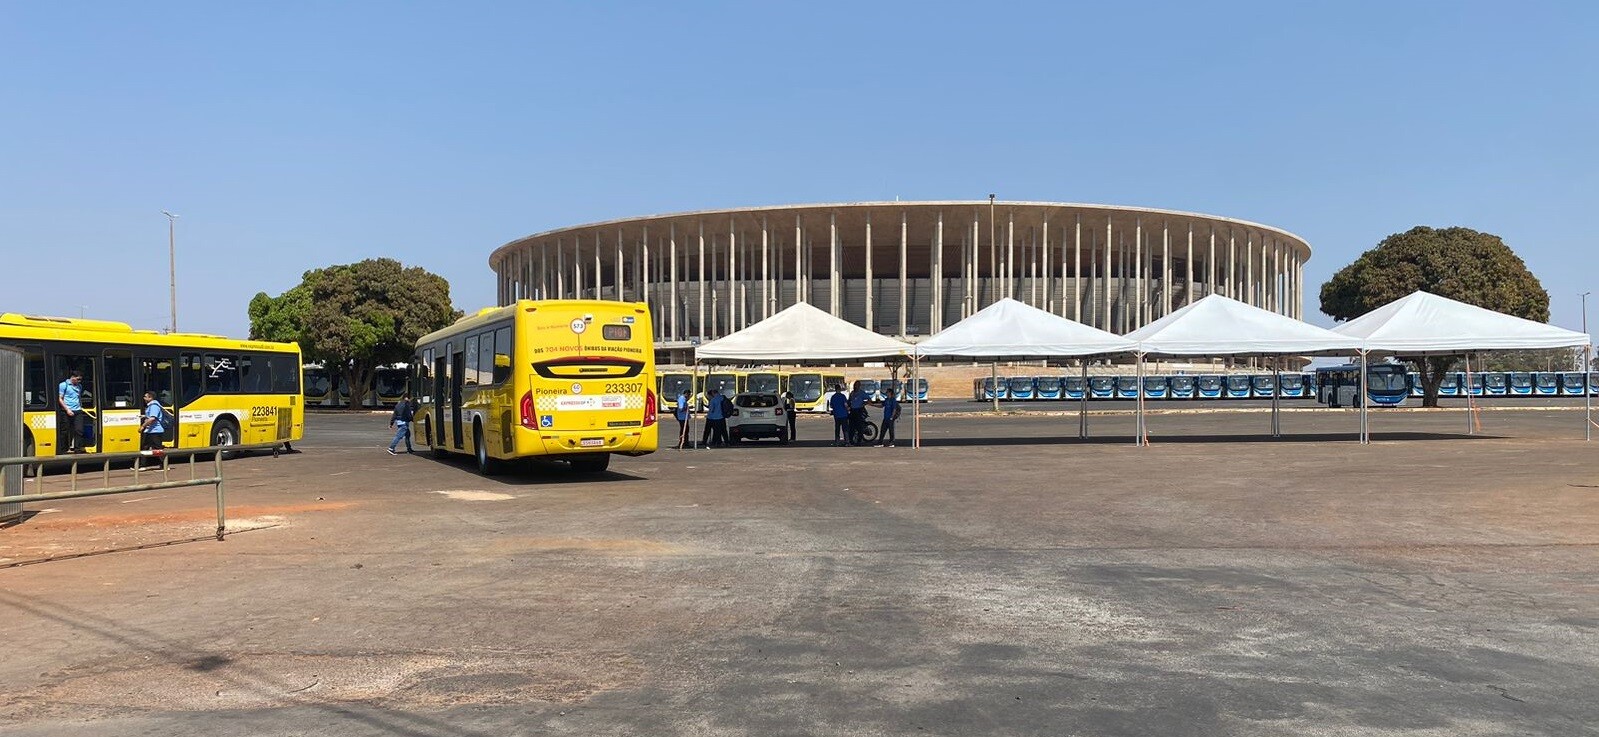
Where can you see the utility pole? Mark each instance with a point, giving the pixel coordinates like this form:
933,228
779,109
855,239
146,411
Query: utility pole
172,265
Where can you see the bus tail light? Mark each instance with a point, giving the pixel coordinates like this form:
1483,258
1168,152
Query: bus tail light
649,407
528,420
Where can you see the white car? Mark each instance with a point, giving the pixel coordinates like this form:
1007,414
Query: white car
757,415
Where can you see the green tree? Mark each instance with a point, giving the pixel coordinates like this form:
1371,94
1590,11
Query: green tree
356,317
1459,263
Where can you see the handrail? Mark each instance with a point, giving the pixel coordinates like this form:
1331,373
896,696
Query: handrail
39,463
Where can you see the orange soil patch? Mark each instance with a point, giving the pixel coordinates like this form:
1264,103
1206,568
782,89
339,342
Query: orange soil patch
197,514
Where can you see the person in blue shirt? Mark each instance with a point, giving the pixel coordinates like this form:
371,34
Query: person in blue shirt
857,414
681,413
715,421
890,414
838,405
151,427
69,399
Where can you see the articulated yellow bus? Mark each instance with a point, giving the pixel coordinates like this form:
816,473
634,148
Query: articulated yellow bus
222,391
570,380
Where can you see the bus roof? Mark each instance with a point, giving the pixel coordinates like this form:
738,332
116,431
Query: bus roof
490,314
16,326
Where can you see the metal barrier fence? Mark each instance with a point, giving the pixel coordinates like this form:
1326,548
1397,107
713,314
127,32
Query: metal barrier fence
39,464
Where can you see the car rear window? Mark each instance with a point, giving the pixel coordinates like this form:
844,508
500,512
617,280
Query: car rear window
756,400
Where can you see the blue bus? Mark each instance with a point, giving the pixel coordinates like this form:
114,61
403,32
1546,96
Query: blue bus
1127,387
1238,386
1046,387
1476,388
1293,386
1387,384
1155,387
983,390
1451,385
1021,387
1072,387
1573,383
1263,386
1102,387
1182,387
1416,390
1546,383
1208,386
1496,383
1520,382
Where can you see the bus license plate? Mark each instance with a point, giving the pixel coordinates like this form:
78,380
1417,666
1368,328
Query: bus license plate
592,442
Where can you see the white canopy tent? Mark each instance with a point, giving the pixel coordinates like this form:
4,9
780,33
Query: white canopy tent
1425,324
1012,329
1218,326
800,333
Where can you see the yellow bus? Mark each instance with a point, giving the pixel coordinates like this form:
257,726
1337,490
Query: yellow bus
570,380
813,388
222,391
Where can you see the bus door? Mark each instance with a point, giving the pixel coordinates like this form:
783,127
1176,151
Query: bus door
62,365
158,375
456,376
439,398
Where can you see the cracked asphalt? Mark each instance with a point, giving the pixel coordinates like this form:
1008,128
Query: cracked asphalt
1005,579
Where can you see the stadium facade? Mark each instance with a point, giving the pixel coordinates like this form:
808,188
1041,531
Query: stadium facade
907,268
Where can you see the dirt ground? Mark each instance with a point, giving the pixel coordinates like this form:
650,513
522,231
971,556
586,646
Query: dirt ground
1007,578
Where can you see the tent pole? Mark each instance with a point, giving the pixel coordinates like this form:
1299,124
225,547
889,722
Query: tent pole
1365,433
1082,407
916,406
1276,392
1467,387
1587,397
1138,426
995,388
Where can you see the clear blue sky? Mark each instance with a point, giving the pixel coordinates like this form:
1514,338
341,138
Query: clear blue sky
293,135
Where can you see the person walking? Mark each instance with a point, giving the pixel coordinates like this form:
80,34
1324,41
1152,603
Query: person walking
151,428
793,419
400,422
680,411
838,405
69,402
857,414
885,434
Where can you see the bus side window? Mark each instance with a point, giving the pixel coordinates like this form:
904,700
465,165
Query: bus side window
191,377
65,365
221,374
502,354
485,358
471,361
36,392
119,380
285,373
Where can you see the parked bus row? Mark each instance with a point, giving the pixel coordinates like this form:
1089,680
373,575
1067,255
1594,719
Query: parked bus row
1387,384
388,385
811,388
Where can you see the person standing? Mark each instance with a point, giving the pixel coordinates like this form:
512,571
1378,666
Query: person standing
151,427
400,422
715,421
793,420
838,405
857,414
69,400
890,414
680,411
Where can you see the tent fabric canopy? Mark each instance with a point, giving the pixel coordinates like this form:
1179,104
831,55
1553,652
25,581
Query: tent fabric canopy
800,333
1219,326
1009,328
1424,323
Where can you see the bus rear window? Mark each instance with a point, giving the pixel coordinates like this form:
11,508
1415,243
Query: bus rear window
616,332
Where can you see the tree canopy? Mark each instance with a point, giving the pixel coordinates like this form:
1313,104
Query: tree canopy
1459,263
355,317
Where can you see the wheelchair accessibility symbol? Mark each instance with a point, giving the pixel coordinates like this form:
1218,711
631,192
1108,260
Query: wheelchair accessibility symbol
546,420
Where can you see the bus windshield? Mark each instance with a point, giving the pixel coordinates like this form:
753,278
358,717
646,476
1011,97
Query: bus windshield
761,383
725,383
805,387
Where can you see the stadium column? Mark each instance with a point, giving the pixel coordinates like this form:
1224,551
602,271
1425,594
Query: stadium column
966,267
700,329
799,271
904,243
1105,284
1232,265
935,272
616,278
1048,278
1010,254
732,279
544,271
1077,272
1165,269
766,271
598,270
971,260
671,283
1188,284
871,324
1138,274
832,263
560,268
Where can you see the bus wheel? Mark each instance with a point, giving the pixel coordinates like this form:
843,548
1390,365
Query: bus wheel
596,463
225,432
485,465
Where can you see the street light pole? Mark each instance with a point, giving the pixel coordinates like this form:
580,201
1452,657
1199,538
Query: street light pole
172,265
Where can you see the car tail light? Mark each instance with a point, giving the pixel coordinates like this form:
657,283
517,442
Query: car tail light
649,407
528,420
778,411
